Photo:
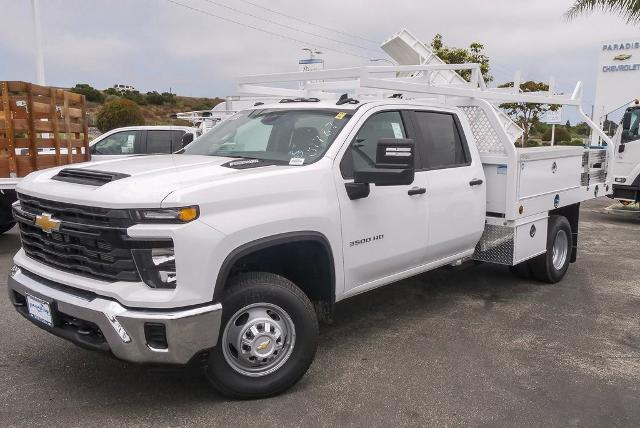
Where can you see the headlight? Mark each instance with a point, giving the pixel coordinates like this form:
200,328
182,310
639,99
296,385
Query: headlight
168,215
156,266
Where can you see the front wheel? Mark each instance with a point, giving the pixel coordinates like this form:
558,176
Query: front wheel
268,339
553,265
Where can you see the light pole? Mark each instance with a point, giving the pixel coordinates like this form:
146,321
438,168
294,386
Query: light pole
35,8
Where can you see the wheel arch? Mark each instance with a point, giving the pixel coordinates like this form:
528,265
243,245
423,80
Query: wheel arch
287,240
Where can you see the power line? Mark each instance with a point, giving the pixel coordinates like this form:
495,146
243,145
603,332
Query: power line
288,26
309,23
265,31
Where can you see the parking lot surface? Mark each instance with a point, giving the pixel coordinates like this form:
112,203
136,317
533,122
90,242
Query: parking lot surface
468,347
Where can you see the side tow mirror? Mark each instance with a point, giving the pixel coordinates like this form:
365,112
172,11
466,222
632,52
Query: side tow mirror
394,164
186,139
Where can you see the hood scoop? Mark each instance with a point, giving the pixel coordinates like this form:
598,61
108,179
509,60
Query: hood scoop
87,176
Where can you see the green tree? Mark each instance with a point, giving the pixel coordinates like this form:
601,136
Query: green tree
474,54
629,10
154,98
527,114
168,97
91,94
561,135
582,129
610,127
118,113
134,96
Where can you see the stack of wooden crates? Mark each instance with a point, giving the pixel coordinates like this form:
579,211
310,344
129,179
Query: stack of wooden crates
40,127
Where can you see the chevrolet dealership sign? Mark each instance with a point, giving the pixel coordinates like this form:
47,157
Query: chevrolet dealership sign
618,76
628,47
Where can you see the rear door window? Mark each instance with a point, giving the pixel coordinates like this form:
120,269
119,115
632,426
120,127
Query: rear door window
176,140
159,141
441,141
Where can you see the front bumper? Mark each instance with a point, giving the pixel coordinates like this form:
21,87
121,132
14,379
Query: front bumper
99,323
626,192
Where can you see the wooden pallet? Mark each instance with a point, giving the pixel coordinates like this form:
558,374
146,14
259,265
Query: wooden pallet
40,127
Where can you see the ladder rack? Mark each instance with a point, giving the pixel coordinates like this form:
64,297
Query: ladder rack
380,82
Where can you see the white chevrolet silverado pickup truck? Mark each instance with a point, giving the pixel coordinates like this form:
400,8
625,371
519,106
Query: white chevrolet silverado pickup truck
229,253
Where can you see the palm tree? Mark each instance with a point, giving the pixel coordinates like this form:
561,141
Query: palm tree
627,9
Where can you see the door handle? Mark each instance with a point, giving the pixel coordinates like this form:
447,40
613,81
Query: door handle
417,191
475,182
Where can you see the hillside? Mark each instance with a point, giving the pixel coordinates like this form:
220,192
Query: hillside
159,114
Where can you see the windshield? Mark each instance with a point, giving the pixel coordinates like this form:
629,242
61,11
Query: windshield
293,137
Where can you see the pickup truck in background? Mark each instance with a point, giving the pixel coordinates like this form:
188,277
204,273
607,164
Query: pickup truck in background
626,186
137,140
228,254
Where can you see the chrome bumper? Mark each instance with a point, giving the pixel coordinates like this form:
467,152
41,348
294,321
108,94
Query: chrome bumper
121,330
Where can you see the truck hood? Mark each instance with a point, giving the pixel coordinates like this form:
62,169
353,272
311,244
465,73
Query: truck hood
148,180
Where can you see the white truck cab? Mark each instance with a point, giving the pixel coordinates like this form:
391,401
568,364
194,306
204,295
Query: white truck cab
137,140
229,253
626,187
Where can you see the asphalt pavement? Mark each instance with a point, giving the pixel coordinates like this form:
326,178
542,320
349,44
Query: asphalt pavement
447,348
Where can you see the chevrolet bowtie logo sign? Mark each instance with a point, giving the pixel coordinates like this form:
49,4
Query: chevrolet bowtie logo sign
46,223
622,57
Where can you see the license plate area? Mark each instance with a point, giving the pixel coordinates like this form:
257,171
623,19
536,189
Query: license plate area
40,310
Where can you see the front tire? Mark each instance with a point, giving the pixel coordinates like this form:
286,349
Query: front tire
268,337
553,265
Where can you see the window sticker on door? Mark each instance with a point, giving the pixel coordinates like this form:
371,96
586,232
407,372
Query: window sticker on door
397,130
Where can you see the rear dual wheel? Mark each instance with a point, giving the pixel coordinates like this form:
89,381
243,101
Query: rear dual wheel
552,266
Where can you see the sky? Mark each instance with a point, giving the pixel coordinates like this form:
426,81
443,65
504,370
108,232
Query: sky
159,45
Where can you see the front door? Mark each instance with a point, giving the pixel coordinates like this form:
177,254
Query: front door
384,233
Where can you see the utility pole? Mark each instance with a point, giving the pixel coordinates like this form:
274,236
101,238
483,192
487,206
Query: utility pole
35,8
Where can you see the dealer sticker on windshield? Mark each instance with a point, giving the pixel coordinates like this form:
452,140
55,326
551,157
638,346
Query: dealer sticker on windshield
296,161
341,115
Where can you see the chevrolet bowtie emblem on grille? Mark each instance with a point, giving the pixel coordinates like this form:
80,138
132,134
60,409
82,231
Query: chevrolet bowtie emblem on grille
46,223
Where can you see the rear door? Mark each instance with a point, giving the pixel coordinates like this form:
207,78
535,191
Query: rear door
455,184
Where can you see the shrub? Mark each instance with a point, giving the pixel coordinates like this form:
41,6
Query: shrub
532,143
561,135
154,98
134,96
168,97
92,94
118,113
